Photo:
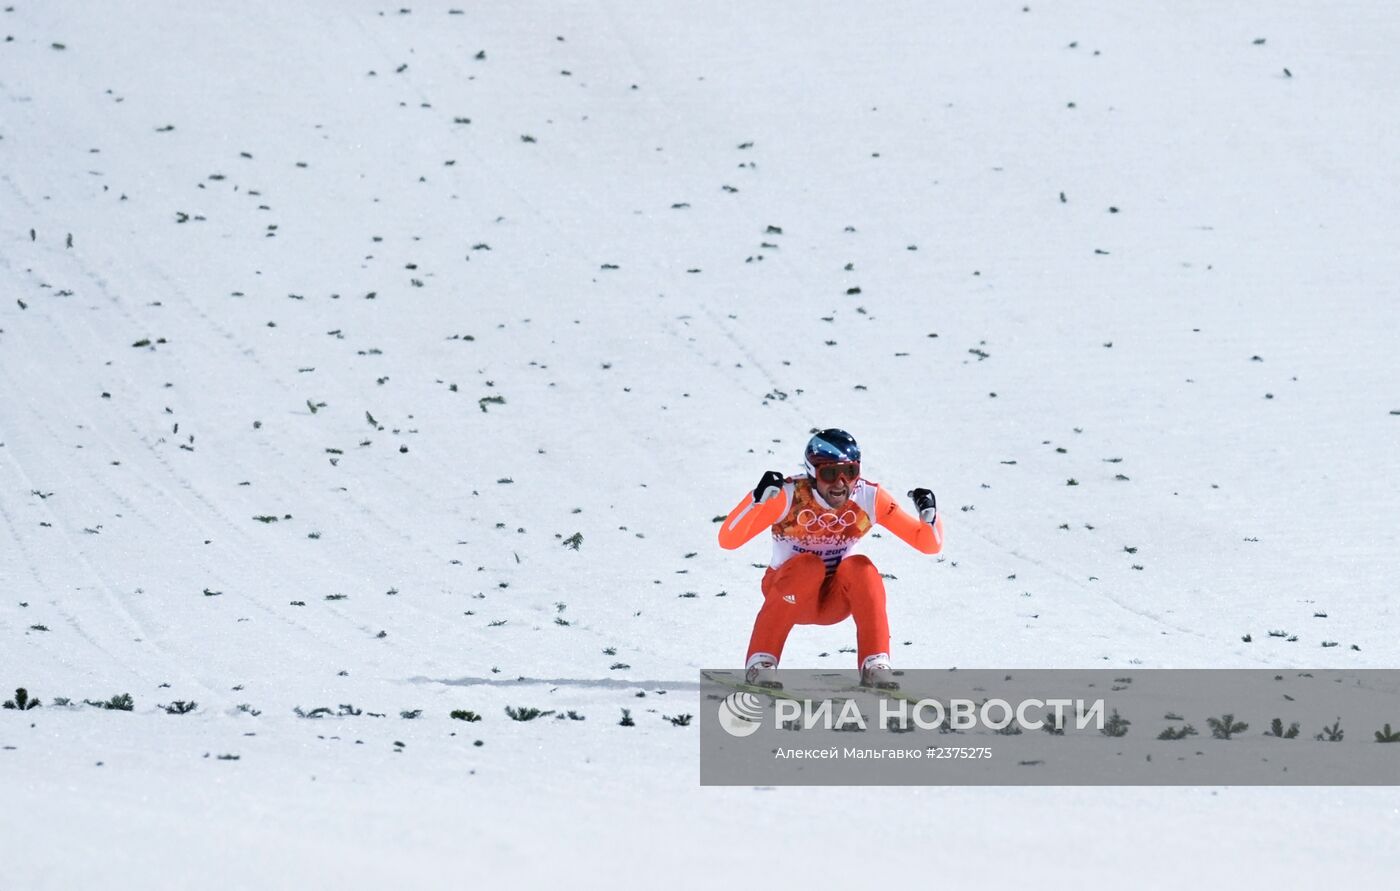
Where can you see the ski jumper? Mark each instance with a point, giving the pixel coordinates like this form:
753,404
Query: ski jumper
810,579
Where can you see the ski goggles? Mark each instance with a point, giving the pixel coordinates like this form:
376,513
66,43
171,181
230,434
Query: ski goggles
830,473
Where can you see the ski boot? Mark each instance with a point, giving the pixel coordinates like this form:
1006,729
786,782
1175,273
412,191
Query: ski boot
762,671
876,672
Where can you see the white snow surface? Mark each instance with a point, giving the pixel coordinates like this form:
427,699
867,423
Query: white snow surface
1150,248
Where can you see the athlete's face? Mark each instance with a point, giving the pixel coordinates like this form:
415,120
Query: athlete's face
835,492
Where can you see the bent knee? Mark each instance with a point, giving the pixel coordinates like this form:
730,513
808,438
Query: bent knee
799,575
859,577
806,561
857,563
803,566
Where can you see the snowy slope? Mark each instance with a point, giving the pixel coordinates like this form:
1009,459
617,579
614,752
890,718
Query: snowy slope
323,326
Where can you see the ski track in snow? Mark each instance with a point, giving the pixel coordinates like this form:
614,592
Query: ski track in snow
591,683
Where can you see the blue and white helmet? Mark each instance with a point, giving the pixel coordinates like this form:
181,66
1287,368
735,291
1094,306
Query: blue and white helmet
831,446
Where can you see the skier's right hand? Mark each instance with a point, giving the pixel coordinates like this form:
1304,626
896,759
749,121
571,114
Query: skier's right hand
769,486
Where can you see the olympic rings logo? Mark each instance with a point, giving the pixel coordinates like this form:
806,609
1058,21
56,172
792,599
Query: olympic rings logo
810,519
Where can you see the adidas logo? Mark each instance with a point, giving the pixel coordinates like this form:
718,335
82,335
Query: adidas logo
790,598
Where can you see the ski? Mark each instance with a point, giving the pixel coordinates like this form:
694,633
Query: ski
774,692
896,693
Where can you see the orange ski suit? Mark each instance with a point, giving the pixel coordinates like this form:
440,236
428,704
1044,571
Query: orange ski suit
810,579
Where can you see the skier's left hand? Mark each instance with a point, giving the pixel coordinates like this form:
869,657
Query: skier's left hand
925,504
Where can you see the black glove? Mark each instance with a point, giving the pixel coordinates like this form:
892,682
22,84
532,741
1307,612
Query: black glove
771,484
925,504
